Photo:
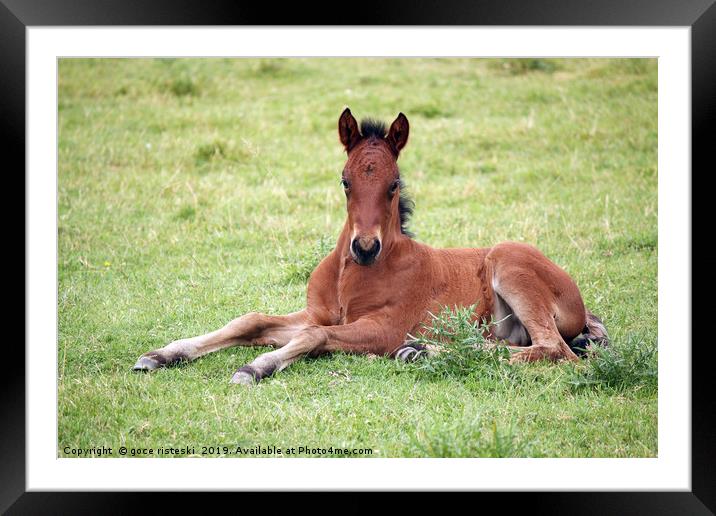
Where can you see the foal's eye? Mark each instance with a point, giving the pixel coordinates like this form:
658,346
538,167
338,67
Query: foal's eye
346,184
394,187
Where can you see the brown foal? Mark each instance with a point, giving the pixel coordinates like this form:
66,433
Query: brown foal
378,285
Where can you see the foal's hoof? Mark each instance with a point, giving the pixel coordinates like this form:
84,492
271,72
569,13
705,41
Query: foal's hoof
245,376
411,352
147,364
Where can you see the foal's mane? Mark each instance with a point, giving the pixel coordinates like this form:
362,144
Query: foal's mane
405,208
372,128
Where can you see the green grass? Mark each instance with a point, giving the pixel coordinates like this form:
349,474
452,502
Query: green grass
456,346
192,191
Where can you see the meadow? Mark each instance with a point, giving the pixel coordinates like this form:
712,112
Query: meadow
192,191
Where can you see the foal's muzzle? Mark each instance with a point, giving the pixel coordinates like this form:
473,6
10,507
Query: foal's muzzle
365,250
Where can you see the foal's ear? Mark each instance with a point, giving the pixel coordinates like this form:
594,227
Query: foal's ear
398,133
348,130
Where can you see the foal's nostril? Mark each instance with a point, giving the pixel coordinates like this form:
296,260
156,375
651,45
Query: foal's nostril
376,246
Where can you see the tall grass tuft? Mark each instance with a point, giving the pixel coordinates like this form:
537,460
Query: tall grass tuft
630,364
458,439
207,152
183,86
461,347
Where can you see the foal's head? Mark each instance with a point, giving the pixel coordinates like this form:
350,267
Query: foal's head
371,180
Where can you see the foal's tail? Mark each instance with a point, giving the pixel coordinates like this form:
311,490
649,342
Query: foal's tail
593,334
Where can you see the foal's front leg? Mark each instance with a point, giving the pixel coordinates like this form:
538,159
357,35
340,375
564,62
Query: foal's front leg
249,329
367,335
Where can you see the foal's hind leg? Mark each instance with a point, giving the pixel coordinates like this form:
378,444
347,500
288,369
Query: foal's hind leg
533,307
524,281
249,329
536,314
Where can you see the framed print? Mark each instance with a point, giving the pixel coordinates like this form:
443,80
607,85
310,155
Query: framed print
459,252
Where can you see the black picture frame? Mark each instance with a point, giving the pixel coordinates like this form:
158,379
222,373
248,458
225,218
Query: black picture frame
699,15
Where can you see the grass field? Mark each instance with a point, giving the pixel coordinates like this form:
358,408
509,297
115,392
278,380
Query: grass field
193,191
